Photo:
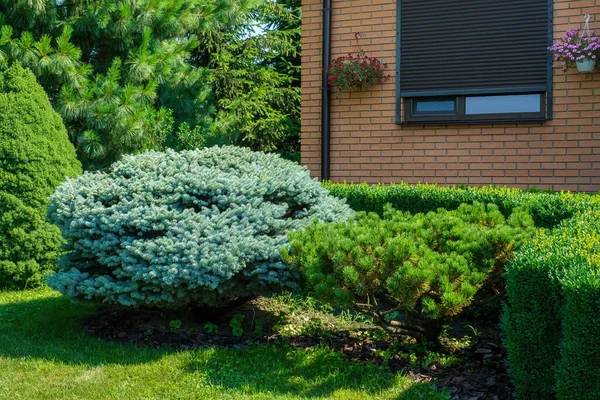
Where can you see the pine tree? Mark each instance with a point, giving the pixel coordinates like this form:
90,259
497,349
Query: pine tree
116,69
409,272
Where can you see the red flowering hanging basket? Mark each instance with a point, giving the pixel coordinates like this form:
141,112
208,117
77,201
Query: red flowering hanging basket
355,71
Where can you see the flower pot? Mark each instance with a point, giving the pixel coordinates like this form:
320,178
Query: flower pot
586,65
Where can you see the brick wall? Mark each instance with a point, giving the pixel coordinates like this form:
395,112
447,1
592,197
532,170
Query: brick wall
366,144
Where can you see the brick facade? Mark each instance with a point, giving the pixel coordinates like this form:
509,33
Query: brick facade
367,145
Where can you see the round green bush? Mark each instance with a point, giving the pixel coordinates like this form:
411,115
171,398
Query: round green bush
199,227
35,157
409,272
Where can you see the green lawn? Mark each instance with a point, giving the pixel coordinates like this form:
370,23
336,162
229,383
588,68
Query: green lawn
45,354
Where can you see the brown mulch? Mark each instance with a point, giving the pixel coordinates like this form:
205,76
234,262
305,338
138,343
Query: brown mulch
481,375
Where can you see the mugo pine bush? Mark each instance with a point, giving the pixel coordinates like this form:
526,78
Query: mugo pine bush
198,227
35,157
409,272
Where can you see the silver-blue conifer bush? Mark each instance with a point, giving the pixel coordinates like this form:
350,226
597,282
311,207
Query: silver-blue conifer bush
199,227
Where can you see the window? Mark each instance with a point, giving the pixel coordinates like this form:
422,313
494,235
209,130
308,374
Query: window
446,106
461,109
503,104
463,61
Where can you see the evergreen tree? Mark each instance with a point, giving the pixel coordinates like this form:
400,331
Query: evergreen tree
198,228
409,272
115,69
35,157
255,74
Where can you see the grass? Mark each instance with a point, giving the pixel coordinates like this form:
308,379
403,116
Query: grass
45,354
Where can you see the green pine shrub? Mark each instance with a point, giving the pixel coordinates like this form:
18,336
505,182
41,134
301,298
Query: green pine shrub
35,157
552,319
200,227
547,209
407,271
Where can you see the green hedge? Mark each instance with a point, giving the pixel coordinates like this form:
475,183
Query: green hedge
552,317
547,209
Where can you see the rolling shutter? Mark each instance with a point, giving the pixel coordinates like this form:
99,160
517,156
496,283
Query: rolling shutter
462,47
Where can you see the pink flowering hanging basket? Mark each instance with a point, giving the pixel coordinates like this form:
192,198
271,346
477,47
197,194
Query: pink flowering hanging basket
580,48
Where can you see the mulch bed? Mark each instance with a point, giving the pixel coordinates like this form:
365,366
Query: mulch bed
480,375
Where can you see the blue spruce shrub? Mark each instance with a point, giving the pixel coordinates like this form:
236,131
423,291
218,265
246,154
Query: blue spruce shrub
170,229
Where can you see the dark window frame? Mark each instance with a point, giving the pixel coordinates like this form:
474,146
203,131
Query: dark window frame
546,98
413,109
459,116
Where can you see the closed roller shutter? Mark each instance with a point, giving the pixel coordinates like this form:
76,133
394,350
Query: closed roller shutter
462,47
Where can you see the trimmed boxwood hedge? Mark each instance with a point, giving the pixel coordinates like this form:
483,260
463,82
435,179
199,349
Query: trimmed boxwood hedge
551,320
547,209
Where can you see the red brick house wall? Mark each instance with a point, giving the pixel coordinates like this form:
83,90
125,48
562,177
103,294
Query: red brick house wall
367,145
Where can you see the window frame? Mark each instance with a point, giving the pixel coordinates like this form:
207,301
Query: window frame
546,98
459,116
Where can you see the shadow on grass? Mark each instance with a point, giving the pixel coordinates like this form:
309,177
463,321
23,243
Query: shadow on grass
310,374
41,325
44,325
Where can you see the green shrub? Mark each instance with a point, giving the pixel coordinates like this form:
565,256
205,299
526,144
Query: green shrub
197,227
578,372
552,319
408,271
547,209
35,157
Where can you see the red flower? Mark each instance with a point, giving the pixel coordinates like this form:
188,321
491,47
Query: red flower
352,71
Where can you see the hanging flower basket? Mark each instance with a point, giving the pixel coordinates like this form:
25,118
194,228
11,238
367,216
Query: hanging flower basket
355,71
578,47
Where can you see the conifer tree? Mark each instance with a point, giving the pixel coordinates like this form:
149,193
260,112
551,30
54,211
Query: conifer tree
409,272
190,228
115,69
255,75
35,157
